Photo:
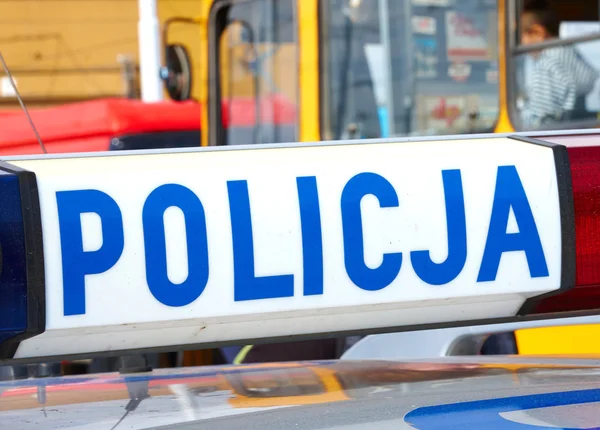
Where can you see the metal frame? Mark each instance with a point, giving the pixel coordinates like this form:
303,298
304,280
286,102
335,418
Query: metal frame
217,135
531,134
555,43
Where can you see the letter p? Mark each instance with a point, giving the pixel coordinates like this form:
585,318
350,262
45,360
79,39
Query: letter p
77,263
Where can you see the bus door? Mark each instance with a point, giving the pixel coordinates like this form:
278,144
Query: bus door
409,67
253,76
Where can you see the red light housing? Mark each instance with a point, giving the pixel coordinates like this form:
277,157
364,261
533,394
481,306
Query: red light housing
584,161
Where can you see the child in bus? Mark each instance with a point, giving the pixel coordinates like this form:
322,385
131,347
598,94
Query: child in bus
561,78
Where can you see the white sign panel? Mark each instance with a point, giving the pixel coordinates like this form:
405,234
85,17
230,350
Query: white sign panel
439,3
424,25
185,248
6,87
464,41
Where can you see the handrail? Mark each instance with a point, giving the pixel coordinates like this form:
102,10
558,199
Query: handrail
556,43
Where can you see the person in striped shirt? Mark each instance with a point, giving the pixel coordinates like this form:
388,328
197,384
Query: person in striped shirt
561,78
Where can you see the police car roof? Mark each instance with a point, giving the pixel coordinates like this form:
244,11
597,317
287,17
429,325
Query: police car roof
103,253
506,393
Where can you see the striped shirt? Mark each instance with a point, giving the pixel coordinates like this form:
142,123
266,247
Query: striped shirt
560,77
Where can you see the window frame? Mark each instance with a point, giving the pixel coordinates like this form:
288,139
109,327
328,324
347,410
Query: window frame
325,128
513,50
217,24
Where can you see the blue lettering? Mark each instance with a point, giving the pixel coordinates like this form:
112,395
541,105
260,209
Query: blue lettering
312,239
442,273
165,291
247,286
77,263
510,193
363,276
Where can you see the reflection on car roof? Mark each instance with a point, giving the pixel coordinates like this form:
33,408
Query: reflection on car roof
314,395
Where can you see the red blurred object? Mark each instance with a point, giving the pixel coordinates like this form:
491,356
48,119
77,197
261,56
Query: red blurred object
585,174
274,109
90,125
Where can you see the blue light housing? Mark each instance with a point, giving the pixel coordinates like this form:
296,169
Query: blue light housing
13,266
22,300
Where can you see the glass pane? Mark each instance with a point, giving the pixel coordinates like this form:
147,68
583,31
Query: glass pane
557,87
410,67
258,72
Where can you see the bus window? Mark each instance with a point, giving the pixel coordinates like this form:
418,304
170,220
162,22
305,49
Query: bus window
554,64
408,67
258,64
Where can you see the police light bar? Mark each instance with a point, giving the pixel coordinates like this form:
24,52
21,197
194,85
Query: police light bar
108,252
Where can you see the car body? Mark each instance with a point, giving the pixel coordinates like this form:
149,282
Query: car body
481,392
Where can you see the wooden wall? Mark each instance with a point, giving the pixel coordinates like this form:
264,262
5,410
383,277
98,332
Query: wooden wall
65,50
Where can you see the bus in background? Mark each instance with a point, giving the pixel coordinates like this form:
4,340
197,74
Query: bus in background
455,67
